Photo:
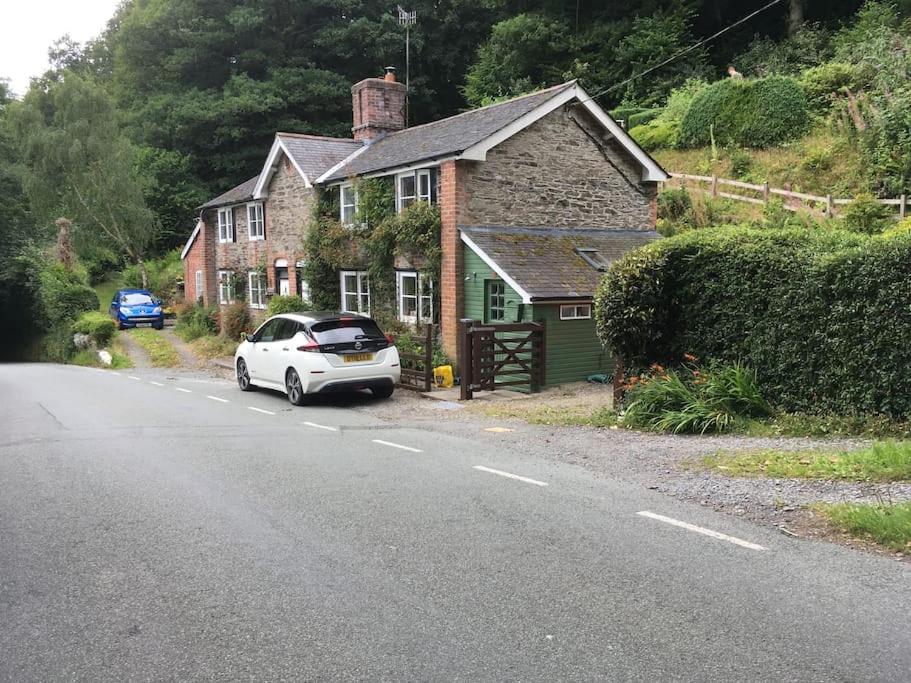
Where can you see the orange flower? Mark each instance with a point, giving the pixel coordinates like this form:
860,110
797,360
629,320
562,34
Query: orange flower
690,357
657,368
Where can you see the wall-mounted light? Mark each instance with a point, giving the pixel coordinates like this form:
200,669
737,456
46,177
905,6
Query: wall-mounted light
469,277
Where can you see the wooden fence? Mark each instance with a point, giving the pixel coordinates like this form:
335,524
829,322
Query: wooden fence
417,366
761,194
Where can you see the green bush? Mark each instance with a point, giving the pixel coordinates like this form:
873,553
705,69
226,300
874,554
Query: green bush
287,304
65,294
741,162
197,321
642,117
657,134
235,320
823,83
97,325
674,203
867,215
694,401
748,113
821,315
164,274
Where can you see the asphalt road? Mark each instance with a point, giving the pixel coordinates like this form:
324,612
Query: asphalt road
149,531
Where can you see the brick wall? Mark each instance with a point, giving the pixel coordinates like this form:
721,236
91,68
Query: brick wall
452,197
287,212
553,174
200,257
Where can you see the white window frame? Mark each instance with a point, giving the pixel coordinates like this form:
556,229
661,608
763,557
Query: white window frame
362,293
198,285
225,280
347,188
226,225
418,196
256,222
301,282
423,294
260,300
575,311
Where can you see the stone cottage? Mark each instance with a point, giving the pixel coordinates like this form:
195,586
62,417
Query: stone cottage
537,195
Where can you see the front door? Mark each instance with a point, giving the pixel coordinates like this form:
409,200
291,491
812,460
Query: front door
284,285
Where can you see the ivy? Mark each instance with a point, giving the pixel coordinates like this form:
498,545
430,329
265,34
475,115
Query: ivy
373,244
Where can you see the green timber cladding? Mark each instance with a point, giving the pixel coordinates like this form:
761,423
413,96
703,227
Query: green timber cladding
573,350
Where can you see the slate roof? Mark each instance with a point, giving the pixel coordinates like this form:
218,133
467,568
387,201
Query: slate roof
315,154
236,195
442,138
544,261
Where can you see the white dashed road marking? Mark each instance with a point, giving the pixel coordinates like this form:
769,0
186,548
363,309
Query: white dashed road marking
157,384
138,379
220,400
316,426
701,530
260,410
509,475
186,391
397,445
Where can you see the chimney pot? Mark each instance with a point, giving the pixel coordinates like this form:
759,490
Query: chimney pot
390,74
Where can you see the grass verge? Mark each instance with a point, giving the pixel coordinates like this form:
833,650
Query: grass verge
882,461
119,357
160,350
823,426
564,416
887,525
105,291
213,347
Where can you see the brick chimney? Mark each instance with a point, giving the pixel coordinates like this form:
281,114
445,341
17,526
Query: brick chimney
379,106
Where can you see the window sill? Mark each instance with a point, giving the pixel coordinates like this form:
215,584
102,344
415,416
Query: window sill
258,239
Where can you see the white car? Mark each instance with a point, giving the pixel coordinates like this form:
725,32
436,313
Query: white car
309,353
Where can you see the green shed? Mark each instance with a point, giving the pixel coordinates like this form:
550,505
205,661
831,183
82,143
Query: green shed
545,275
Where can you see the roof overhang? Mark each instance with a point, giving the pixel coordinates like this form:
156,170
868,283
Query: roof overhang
651,171
193,236
271,166
526,297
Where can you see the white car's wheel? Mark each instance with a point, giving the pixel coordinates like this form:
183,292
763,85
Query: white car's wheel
294,388
243,376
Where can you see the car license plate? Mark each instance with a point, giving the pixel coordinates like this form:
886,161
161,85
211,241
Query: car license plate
357,357
143,324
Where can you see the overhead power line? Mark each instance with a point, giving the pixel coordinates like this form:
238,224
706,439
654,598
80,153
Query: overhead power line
682,52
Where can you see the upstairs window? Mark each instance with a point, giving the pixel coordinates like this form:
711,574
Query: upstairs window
256,226
411,187
355,291
347,204
594,258
197,292
226,225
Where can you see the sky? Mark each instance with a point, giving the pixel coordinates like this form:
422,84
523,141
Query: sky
30,26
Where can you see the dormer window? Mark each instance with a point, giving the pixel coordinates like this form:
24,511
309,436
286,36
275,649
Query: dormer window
347,204
411,187
594,258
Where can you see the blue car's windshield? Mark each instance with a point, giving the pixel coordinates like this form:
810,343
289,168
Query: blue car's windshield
135,300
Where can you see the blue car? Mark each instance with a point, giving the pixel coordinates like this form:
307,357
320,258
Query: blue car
136,308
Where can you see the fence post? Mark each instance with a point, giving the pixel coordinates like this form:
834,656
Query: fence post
465,378
830,206
902,208
714,186
765,193
428,357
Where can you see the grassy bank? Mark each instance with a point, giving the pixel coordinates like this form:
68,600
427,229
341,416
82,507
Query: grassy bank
214,346
160,350
883,461
105,291
886,525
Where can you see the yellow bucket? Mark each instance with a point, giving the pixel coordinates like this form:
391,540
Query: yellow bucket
443,376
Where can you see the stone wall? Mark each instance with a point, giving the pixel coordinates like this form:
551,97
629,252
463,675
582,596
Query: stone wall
287,212
554,174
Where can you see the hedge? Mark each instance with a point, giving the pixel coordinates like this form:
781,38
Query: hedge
99,326
287,304
823,316
749,113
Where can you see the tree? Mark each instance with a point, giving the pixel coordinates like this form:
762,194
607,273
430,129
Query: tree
79,165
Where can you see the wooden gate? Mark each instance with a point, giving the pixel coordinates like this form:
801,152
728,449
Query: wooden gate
499,356
417,362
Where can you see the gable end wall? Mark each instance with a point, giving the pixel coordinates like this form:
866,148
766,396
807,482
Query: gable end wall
553,174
